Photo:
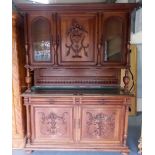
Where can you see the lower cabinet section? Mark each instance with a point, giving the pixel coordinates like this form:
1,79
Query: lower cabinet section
77,125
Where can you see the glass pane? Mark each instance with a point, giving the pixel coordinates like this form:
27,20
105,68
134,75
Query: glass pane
113,41
41,40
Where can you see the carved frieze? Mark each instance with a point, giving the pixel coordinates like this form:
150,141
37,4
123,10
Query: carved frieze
101,82
100,125
76,35
53,124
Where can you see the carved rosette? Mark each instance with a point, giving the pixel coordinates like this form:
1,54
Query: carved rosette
76,35
100,125
52,124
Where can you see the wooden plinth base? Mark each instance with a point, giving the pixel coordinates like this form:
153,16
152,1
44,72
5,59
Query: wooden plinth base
123,150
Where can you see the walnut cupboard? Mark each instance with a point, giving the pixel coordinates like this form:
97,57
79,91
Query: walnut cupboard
74,57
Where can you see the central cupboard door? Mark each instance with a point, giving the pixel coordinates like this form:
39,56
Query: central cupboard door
102,124
77,35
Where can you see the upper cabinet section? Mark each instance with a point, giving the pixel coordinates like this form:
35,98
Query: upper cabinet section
114,38
78,35
78,39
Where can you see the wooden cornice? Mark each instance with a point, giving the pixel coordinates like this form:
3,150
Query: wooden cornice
77,6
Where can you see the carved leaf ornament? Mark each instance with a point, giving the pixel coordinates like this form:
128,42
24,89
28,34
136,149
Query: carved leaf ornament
53,124
100,125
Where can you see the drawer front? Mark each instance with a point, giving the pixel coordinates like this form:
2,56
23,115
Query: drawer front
102,100
102,124
51,100
52,123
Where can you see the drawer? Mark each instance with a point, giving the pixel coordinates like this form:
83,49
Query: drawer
103,100
51,100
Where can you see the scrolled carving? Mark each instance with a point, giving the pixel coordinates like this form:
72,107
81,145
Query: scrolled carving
52,124
100,125
77,35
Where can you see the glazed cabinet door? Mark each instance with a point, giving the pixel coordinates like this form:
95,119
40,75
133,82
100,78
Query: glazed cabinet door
101,124
52,123
77,33
113,38
41,29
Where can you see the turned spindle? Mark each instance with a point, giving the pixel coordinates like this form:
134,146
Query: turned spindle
28,78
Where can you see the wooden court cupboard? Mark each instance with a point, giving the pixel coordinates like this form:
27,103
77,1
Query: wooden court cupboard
74,57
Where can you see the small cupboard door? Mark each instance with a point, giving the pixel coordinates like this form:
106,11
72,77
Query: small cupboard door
77,33
113,38
101,124
41,29
52,123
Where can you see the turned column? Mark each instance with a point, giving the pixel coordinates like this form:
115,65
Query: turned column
28,78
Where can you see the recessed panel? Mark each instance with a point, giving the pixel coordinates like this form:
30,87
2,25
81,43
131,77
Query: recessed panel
78,39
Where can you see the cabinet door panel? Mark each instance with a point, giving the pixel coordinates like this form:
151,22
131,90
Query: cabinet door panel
41,33
52,123
101,124
78,35
114,38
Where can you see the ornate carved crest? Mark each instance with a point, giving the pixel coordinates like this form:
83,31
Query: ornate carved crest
76,35
100,125
52,124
